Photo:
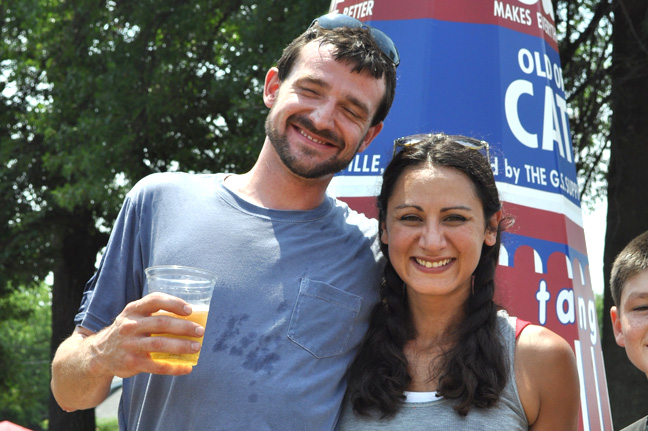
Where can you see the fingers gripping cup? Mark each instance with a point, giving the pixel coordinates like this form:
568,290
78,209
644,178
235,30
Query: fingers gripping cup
193,285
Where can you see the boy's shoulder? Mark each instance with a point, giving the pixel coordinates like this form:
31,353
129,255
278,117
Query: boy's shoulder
640,425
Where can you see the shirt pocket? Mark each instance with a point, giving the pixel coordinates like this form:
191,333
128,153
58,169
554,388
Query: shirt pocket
323,318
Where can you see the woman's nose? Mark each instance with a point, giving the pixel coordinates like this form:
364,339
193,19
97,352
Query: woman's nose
432,237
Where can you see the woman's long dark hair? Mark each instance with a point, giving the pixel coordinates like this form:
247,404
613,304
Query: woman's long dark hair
474,370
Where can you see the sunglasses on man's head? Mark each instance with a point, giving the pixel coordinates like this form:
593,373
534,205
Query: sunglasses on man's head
335,20
408,141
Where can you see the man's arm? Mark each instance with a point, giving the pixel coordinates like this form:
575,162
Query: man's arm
85,363
73,377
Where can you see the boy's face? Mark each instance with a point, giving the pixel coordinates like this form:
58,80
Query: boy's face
630,320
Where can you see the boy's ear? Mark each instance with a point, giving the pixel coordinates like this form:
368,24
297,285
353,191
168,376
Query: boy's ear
616,326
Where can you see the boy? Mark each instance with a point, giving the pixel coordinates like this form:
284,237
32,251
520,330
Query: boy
629,288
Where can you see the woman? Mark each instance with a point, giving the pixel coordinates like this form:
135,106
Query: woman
438,354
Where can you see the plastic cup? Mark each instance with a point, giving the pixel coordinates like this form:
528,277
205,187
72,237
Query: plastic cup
193,285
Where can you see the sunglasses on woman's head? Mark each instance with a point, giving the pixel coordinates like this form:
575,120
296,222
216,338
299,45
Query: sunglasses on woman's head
408,141
335,20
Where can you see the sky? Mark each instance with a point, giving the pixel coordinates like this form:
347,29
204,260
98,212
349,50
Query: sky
594,227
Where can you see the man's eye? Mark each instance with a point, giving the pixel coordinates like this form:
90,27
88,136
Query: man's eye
352,113
309,91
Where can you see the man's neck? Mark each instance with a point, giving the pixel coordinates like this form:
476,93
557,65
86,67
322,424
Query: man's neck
271,185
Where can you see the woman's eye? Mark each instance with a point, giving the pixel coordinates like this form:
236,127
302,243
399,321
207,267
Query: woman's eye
410,217
456,218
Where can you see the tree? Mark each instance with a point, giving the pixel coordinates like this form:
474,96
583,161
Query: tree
627,193
97,95
585,47
605,60
24,359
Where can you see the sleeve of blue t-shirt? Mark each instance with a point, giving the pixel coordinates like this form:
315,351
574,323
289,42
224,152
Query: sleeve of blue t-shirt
119,278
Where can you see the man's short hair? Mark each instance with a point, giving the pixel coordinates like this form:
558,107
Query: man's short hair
355,46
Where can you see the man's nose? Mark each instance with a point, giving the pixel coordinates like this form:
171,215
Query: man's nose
323,115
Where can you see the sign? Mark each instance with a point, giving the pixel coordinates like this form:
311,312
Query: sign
490,69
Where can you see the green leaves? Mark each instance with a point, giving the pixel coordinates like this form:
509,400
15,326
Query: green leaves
93,97
586,56
98,95
24,355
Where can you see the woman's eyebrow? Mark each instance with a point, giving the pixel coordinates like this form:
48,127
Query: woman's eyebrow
456,207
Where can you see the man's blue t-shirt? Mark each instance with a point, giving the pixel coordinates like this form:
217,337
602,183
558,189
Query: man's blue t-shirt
289,309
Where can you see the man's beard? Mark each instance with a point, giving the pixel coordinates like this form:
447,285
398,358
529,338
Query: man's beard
292,161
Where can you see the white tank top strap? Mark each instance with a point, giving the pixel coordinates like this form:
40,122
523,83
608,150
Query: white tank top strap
421,397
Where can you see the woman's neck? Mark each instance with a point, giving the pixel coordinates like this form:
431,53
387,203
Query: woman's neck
434,319
436,322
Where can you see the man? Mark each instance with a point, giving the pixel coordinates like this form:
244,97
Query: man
297,270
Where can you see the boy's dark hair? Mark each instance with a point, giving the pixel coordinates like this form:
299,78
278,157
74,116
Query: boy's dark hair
355,46
632,260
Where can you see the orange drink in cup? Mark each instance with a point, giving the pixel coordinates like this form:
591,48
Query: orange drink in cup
193,285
